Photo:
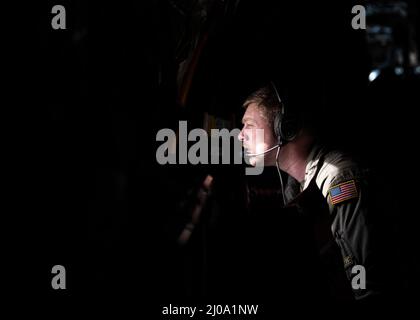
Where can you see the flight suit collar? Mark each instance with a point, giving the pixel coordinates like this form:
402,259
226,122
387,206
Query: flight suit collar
312,163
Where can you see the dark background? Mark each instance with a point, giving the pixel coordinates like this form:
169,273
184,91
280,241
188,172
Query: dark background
89,192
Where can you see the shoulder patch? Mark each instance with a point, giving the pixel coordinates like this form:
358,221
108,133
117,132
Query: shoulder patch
342,192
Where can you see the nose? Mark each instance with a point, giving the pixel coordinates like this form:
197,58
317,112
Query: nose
241,135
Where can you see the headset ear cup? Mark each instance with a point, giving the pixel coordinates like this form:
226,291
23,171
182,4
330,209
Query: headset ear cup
288,129
277,127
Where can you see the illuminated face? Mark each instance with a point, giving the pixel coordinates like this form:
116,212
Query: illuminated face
254,140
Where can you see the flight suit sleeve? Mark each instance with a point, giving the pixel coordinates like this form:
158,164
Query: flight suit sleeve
355,228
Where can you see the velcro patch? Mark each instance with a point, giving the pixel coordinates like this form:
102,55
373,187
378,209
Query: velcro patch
348,261
343,191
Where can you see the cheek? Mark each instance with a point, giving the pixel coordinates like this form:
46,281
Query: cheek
257,137
269,137
254,137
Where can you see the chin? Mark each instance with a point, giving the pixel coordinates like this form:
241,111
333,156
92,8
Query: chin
253,161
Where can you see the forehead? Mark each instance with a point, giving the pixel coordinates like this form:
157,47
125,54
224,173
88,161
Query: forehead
253,113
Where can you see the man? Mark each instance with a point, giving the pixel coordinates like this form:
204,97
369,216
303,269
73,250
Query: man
358,216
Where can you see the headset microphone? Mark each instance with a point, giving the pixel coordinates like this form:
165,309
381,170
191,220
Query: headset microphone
264,152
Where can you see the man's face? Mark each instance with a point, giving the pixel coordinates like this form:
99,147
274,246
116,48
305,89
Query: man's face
257,141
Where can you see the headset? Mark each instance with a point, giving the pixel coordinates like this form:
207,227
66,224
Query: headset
286,124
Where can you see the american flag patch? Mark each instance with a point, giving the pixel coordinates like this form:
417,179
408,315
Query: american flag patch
343,191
